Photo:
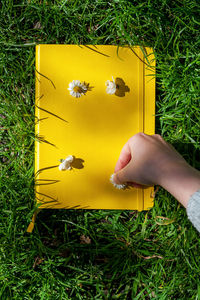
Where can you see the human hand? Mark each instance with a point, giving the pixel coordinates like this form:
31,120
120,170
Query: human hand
146,160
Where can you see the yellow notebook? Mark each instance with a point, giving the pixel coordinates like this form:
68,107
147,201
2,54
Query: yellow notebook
92,128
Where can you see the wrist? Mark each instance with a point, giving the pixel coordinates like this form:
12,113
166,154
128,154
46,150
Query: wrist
181,180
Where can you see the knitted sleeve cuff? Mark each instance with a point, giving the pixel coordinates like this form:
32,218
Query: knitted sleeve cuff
193,210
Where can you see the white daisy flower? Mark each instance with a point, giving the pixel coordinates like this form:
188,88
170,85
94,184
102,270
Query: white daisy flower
77,88
66,163
111,87
118,186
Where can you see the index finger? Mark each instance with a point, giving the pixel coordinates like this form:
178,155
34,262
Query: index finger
124,158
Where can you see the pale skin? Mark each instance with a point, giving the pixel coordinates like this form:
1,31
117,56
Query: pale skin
148,160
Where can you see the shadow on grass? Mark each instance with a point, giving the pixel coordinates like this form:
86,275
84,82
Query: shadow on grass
190,153
62,234
111,249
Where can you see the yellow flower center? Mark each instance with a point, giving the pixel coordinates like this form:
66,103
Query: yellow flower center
77,89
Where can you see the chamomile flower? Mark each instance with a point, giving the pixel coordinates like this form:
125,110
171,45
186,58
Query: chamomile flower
118,186
111,87
77,88
66,163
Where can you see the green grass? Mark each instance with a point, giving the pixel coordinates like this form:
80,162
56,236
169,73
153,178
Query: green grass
131,255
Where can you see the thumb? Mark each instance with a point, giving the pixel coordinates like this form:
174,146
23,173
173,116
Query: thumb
128,175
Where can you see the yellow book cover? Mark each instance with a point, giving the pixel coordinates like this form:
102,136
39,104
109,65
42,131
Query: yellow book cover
92,128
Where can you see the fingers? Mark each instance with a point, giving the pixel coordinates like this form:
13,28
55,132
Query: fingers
124,158
126,153
132,170
132,176
125,175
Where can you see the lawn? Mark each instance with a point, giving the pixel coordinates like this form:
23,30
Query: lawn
97,254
